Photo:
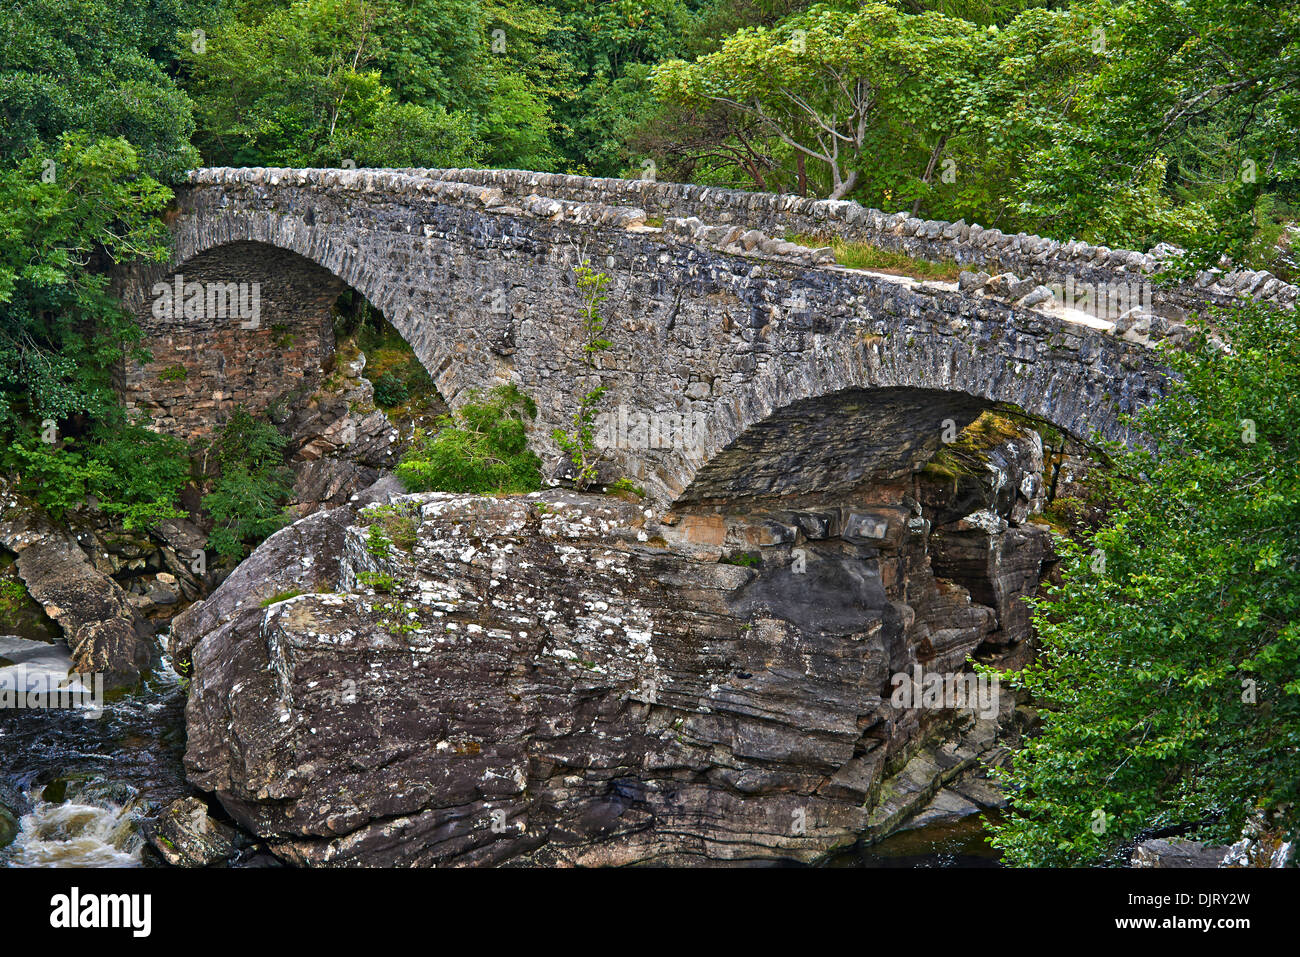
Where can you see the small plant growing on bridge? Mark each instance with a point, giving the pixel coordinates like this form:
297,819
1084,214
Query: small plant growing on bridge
579,442
481,448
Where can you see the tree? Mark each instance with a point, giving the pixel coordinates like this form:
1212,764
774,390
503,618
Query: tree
1172,72
99,67
579,442
868,95
64,214
1169,672
297,86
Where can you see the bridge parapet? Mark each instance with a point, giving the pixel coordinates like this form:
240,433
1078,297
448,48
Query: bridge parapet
1038,258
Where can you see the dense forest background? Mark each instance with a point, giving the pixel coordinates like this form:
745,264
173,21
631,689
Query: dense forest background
1124,122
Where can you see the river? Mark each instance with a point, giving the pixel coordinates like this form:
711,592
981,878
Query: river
91,777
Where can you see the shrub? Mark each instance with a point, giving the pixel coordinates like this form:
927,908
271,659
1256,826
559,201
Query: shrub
395,522
134,473
390,390
483,448
247,500
1166,679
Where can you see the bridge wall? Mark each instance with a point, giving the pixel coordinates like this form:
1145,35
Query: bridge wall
1036,257
484,292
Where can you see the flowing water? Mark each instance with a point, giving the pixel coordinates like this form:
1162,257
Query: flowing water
87,777
956,843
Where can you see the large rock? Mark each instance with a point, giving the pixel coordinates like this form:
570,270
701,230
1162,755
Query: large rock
100,626
561,679
1177,853
13,805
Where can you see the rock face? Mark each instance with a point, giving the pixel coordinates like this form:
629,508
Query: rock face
980,540
339,441
555,678
98,622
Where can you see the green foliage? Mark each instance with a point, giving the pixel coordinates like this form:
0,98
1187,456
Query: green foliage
482,448
836,86
611,48
147,473
101,69
279,597
247,441
61,330
579,442
135,474
174,374
390,390
393,524
1111,121
1186,115
383,583
1167,680
247,499
401,383
625,486
297,85
13,596
378,544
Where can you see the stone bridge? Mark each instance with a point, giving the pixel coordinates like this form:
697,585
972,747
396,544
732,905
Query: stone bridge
799,375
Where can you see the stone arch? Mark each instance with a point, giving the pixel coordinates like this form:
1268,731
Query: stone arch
299,269
483,292
864,408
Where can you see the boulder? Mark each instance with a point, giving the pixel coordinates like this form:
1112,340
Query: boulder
13,805
185,835
1175,852
102,630
556,679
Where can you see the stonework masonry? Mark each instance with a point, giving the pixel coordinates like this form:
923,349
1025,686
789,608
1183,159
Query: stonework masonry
1045,260
808,376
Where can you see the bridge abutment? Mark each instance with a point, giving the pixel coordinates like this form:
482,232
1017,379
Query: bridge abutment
235,325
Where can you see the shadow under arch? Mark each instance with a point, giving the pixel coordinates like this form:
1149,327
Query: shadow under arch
243,322
832,443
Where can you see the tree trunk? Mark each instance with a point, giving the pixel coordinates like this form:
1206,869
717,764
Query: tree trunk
929,169
839,191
